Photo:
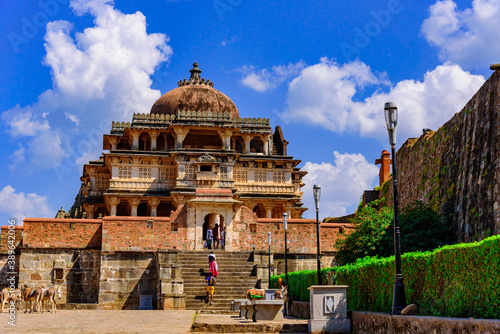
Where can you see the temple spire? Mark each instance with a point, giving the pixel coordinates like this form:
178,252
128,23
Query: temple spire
195,72
195,78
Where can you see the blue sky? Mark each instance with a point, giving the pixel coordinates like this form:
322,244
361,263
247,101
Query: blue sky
321,70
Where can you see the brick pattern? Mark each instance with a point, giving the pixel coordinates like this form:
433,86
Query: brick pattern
16,237
251,231
143,233
62,233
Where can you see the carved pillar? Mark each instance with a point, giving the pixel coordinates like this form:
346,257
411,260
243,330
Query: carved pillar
181,133
114,142
247,138
135,138
153,135
225,135
134,203
153,203
90,209
269,212
265,143
113,202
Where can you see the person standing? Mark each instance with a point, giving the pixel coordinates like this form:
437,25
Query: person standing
209,238
223,237
215,233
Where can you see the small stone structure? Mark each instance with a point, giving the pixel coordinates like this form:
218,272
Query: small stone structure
328,305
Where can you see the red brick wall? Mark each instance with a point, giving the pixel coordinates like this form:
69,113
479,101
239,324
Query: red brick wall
18,237
301,235
132,234
62,233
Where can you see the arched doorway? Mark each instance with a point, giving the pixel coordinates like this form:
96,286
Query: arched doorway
209,222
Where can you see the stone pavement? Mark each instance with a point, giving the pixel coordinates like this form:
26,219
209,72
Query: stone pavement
98,321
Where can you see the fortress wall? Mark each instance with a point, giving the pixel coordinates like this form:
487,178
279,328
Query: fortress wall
251,232
133,234
62,233
456,169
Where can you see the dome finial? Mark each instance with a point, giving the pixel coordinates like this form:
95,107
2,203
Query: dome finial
195,72
195,78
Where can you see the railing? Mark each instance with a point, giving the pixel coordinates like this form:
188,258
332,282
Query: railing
136,184
264,188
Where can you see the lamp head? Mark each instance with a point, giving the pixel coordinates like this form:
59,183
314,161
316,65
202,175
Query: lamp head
391,120
269,238
285,220
317,195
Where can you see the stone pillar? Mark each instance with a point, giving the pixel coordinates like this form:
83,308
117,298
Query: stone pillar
385,167
153,203
134,203
269,212
135,138
247,139
114,142
265,143
181,133
113,202
153,135
225,135
90,209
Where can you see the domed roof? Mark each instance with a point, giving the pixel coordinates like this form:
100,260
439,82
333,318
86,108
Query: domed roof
194,94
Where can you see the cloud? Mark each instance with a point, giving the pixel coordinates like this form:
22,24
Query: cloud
467,37
20,205
326,94
342,184
264,79
99,74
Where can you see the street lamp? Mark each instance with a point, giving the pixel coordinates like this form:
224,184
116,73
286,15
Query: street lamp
269,243
285,221
399,298
317,194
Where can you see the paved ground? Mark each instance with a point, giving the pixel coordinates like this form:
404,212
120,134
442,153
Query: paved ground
94,321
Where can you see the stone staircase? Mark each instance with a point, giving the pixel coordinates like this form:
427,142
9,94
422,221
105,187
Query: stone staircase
237,273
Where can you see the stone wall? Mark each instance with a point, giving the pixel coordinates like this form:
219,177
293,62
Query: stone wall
77,271
10,241
251,232
457,168
62,233
124,277
142,234
381,323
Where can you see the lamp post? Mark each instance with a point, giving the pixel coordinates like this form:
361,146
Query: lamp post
269,243
399,298
285,221
317,194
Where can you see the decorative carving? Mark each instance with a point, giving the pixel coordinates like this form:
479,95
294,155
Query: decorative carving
207,158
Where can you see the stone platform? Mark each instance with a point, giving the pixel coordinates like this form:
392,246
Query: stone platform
225,323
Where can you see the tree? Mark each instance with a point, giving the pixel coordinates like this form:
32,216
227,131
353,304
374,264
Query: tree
421,227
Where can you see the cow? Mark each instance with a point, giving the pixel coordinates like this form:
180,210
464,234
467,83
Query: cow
252,294
50,295
7,296
31,297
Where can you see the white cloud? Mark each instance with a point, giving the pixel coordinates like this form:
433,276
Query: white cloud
263,80
99,74
325,94
467,37
342,184
20,205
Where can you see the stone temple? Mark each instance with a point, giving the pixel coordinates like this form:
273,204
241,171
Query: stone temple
135,236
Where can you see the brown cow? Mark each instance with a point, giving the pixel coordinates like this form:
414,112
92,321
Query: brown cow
31,296
6,297
50,295
255,294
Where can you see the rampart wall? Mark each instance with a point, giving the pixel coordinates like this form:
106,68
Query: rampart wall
456,169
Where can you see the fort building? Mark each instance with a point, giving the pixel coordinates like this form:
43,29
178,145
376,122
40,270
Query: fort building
141,216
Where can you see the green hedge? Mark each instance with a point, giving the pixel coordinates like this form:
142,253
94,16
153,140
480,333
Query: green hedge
461,280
